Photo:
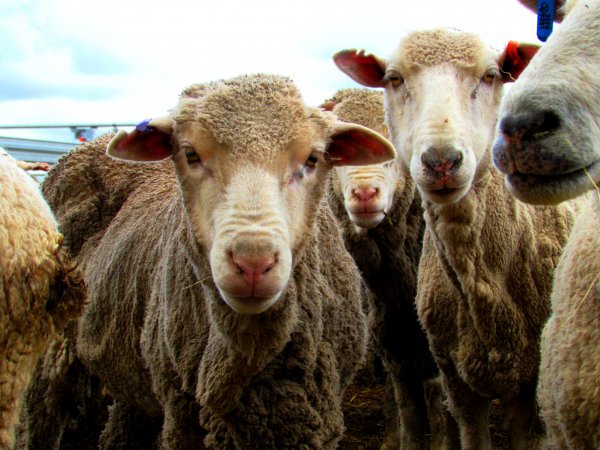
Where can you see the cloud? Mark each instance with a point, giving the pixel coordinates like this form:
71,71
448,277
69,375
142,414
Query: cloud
68,60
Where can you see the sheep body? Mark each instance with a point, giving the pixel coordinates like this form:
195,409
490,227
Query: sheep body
570,368
550,152
390,250
162,330
486,270
41,288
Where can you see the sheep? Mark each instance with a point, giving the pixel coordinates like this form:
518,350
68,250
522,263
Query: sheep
25,165
41,288
541,134
386,245
549,151
222,303
486,268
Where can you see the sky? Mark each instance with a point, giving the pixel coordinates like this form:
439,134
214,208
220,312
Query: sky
105,62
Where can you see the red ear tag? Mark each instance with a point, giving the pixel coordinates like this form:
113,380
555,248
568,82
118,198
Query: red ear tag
512,51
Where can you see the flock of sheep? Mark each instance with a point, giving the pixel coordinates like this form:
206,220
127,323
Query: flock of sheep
212,278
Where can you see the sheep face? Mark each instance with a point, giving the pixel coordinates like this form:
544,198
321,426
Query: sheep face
252,161
442,93
250,215
442,109
368,192
549,140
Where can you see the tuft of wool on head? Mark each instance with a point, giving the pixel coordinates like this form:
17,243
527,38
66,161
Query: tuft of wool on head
361,106
248,112
433,47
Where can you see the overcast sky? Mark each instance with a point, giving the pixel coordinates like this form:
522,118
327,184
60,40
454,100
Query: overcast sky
88,61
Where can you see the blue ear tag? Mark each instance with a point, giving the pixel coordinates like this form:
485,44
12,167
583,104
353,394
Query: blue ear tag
143,126
545,20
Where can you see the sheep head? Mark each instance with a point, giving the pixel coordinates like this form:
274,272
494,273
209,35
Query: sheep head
548,143
252,160
367,191
442,93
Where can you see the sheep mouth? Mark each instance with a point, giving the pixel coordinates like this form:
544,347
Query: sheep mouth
251,304
367,214
444,191
555,188
367,219
444,195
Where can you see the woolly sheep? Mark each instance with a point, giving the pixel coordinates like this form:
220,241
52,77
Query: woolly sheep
220,288
487,263
41,288
550,152
386,245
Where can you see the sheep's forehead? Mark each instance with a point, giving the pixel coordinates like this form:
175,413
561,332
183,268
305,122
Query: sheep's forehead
437,47
361,106
248,114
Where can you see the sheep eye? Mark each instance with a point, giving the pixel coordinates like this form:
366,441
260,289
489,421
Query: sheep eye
394,78
489,76
312,161
192,157
309,166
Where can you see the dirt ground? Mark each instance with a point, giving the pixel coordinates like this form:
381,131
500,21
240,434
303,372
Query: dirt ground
364,419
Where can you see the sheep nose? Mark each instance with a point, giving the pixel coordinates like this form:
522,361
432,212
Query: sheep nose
530,125
442,161
364,193
252,268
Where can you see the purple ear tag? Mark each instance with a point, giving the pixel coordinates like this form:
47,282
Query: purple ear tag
144,126
545,19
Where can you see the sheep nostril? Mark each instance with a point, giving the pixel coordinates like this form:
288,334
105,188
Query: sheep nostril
530,125
442,161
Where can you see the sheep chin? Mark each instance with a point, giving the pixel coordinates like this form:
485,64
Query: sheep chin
250,305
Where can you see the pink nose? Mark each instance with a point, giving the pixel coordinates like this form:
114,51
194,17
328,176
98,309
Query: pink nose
365,194
252,268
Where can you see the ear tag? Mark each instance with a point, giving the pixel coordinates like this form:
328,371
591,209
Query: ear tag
545,11
143,126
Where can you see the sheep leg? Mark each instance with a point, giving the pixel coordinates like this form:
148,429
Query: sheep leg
471,412
391,440
442,426
128,427
414,427
181,426
525,428
65,406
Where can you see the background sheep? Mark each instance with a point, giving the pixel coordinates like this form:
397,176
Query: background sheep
382,222
41,288
220,287
66,405
486,270
550,151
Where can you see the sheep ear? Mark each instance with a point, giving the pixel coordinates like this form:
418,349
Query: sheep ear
328,105
367,70
149,141
355,145
515,58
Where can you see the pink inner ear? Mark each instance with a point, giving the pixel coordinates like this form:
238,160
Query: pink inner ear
150,145
355,148
328,105
516,58
363,69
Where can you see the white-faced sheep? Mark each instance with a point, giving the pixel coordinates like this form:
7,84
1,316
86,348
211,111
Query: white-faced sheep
41,289
220,292
382,222
486,270
549,148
